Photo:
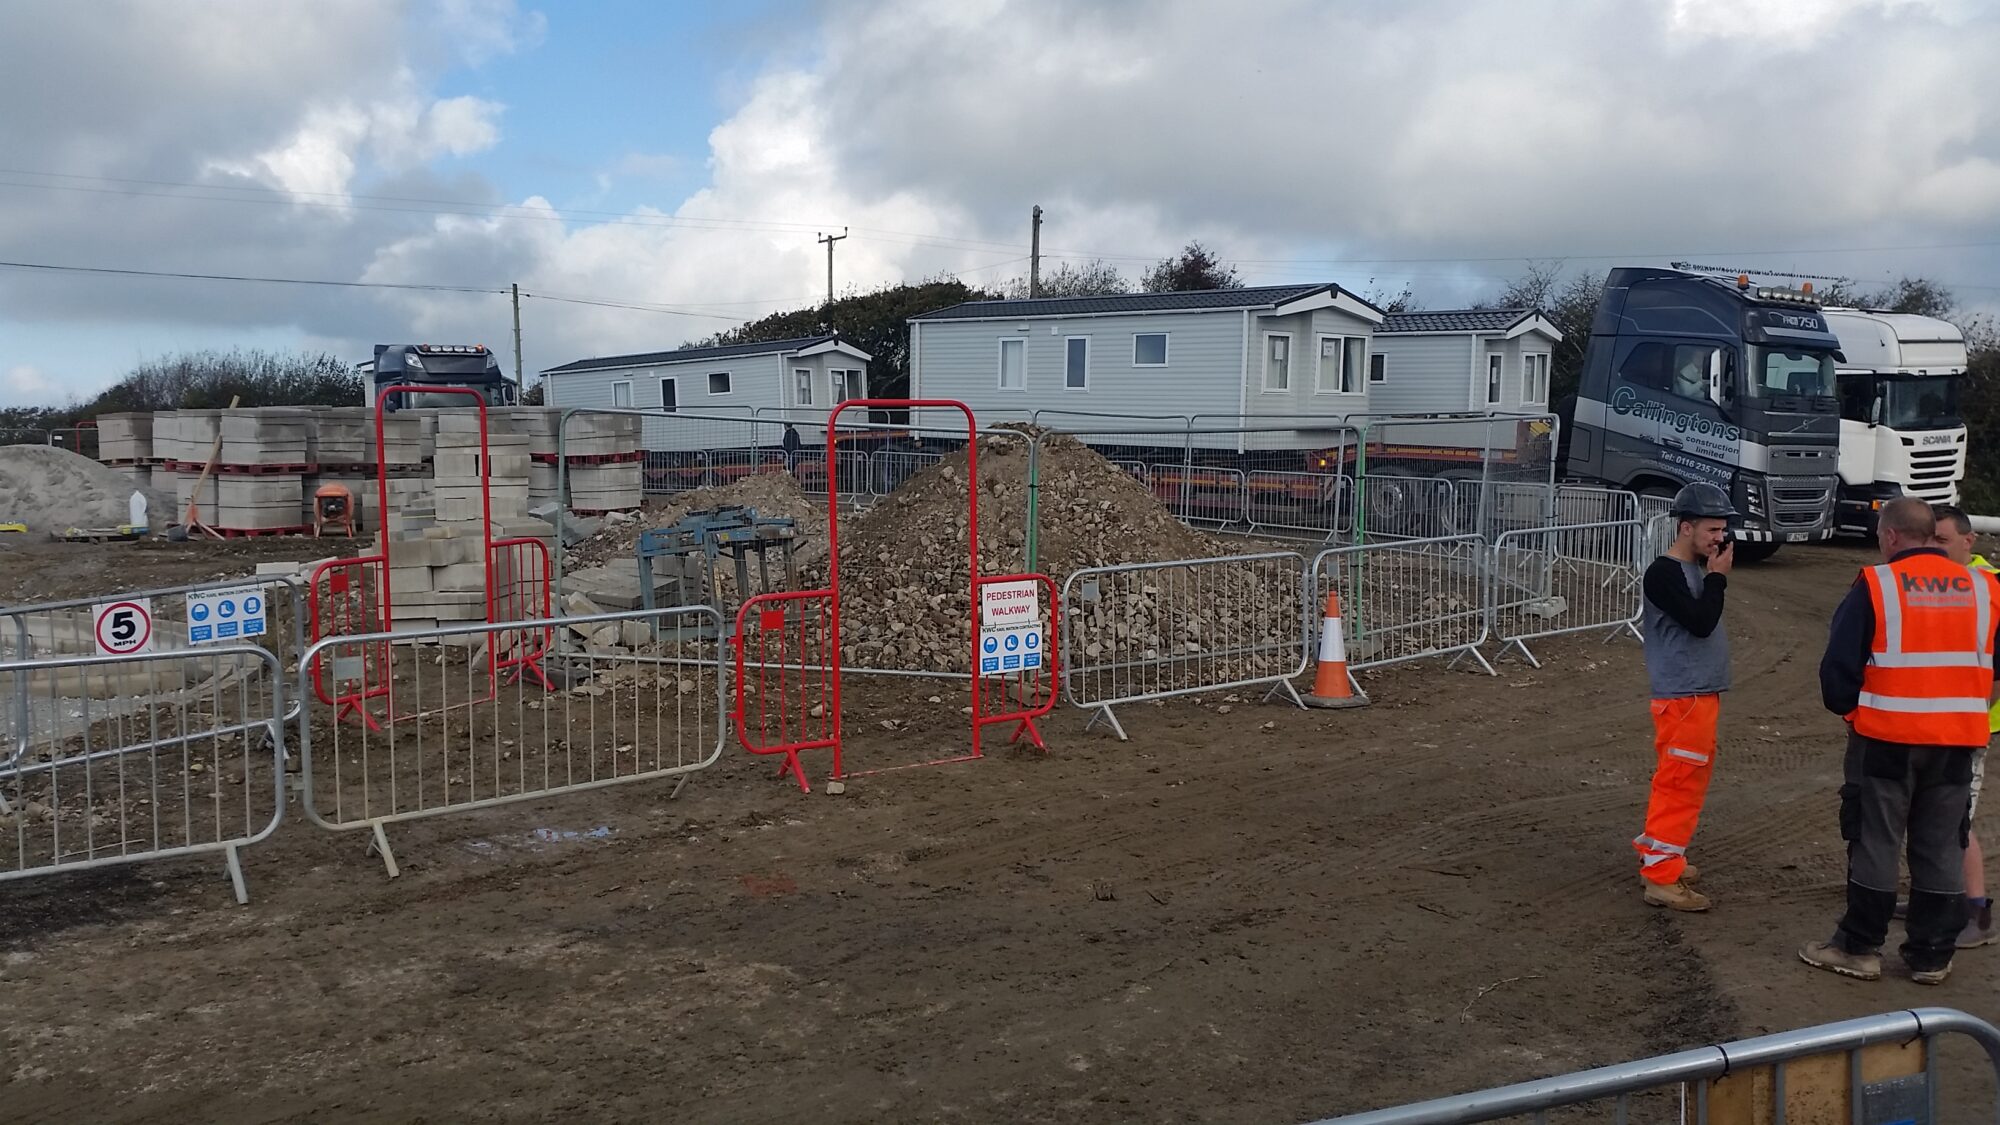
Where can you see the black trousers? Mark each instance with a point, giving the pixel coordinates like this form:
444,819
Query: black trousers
1896,793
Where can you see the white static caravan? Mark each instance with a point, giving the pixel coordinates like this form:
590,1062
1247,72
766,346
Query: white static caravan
1462,362
1287,350
797,380
1458,360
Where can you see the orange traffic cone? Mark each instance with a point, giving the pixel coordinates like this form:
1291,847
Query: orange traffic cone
1330,685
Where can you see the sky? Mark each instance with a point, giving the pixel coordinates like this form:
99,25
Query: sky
651,173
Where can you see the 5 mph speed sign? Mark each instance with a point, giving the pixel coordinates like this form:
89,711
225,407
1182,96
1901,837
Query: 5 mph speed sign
123,628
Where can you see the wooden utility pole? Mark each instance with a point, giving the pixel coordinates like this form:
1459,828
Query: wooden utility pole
520,376
1035,256
830,239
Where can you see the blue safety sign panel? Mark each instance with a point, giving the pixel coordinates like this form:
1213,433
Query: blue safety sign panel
233,614
1010,627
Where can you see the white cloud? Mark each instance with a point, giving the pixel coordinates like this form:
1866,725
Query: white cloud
1275,132
26,383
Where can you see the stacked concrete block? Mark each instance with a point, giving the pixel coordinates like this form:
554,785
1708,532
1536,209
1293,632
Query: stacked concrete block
124,438
340,435
616,486
600,435
186,436
257,502
274,436
141,476
207,501
403,440
437,576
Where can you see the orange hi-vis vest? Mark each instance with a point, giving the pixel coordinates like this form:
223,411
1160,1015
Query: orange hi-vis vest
1930,670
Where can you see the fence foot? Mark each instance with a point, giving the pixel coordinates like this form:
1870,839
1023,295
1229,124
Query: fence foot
5,808
235,864
792,767
380,846
1104,712
1480,658
1623,628
680,783
1028,728
1517,643
1285,686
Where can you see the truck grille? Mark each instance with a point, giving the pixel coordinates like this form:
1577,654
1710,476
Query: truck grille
1801,460
1801,502
1932,472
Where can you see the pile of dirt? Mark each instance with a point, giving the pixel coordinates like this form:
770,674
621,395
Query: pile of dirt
905,597
51,489
772,494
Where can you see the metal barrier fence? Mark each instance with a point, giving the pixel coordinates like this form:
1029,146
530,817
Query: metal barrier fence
267,611
1397,505
1155,630
183,758
1877,1070
641,699
1568,579
1409,599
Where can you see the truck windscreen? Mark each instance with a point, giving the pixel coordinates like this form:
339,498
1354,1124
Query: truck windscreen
1922,403
1780,371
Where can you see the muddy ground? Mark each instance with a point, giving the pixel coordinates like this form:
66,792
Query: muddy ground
1221,920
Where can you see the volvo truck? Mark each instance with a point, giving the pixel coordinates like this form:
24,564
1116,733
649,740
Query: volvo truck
1901,433
471,366
1689,376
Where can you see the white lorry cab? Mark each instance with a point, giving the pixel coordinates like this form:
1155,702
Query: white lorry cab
1901,433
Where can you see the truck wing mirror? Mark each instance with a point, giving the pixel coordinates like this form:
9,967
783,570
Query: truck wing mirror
1875,411
1721,376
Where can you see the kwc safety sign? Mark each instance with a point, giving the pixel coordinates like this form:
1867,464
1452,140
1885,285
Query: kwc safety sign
225,615
1010,627
123,627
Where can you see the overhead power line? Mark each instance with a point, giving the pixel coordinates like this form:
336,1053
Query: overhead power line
679,310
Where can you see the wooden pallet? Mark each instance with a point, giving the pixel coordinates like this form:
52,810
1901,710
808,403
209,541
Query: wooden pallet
101,534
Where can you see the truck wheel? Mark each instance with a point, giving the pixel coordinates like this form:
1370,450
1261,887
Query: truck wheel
1756,552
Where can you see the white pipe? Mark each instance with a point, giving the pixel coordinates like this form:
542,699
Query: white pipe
1985,525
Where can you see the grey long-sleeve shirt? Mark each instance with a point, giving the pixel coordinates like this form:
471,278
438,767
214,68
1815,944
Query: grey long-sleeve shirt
1687,648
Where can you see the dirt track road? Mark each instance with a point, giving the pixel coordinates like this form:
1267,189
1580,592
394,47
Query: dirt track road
1214,922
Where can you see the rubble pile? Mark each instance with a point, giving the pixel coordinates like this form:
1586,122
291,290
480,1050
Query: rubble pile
772,494
904,589
603,567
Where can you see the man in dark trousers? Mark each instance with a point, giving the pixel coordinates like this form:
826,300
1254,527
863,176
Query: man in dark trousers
1687,670
1909,665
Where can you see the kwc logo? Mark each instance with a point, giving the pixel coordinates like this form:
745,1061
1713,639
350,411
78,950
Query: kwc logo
1922,584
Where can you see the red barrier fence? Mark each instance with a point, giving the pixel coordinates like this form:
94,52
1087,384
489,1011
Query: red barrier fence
788,677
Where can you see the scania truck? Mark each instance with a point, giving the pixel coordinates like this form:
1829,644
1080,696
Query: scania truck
440,365
1900,428
1689,376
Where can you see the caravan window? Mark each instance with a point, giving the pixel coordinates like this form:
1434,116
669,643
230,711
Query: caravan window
1493,369
1535,377
1013,365
1277,362
1076,363
1149,349
621,394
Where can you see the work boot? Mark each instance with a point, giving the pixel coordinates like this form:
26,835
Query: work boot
1931,976
1676,896
1832,958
